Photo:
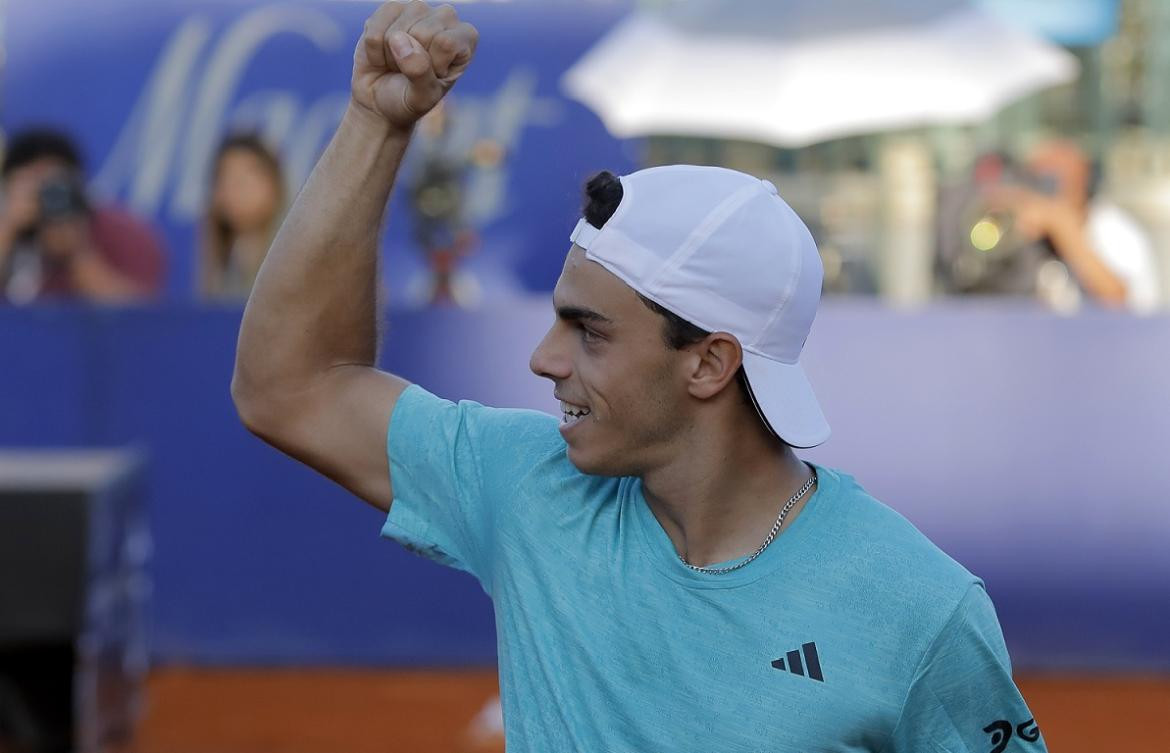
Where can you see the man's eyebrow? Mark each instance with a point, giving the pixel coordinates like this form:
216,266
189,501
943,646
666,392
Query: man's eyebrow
579,313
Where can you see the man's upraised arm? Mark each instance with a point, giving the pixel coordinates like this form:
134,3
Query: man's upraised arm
305,377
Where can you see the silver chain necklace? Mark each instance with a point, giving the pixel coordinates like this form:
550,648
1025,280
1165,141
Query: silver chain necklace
771,534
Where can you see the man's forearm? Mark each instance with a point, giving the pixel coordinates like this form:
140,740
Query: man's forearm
315,304
1072,244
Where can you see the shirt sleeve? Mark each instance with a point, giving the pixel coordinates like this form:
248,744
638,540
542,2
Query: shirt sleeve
1128,252
962,698
453,466
130,246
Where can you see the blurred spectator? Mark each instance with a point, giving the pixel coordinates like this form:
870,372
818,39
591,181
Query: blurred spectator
55,243
244,211
1106,251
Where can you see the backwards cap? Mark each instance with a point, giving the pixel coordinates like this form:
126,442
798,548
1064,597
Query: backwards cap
722,250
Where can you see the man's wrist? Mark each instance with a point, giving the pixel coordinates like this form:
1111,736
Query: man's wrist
373,125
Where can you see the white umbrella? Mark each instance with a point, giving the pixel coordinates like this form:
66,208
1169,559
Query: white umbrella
794,72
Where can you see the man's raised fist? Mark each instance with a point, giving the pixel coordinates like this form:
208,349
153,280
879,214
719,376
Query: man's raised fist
409,56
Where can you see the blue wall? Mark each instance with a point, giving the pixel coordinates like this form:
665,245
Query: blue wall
1031,447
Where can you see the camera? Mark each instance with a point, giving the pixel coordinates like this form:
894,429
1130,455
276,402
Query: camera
62,197
22,276
979,250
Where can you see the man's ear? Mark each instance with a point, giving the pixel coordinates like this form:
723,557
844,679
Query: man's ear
718,358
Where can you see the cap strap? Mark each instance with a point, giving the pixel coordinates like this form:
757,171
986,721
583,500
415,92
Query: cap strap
583,234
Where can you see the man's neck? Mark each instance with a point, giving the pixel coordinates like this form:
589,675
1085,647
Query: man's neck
717,500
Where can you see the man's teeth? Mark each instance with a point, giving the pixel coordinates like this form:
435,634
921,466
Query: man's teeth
572,412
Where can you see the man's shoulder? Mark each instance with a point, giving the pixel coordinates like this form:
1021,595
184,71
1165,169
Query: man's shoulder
892,554
522,436
518,455
889,580
417,401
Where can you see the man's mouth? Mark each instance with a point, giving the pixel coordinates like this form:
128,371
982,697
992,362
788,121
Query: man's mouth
571,414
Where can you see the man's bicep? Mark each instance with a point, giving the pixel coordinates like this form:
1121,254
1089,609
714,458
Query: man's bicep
341,430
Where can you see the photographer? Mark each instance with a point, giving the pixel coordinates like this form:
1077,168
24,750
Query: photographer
54,244
1108,255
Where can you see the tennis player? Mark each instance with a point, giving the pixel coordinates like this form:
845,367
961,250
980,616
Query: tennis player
667,574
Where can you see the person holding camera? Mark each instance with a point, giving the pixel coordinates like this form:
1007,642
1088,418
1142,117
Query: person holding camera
54,243
1109,257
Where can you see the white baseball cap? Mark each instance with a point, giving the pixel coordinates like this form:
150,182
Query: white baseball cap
722,250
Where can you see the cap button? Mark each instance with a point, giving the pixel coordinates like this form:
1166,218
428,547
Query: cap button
771,187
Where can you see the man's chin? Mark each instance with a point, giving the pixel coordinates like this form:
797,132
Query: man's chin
592,466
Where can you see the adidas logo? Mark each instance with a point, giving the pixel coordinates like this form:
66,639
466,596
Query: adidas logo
811,662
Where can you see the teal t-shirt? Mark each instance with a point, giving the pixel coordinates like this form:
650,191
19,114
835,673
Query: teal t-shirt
851,632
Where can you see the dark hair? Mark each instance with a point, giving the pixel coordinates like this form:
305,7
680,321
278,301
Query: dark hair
218,234
603,193
33,144
248,141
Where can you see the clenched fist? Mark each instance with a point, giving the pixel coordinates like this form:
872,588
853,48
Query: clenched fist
409,56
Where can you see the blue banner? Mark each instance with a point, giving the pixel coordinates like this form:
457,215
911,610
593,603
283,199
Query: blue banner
149,89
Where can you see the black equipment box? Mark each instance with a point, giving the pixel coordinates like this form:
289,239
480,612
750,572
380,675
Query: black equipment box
74,548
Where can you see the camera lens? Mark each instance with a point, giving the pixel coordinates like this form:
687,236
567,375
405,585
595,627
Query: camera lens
61,198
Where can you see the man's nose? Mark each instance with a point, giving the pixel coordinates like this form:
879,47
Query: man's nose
548,360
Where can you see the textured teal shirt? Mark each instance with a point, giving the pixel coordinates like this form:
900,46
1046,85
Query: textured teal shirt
851,632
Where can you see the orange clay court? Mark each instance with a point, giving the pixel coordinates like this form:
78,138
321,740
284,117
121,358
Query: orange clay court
379,711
